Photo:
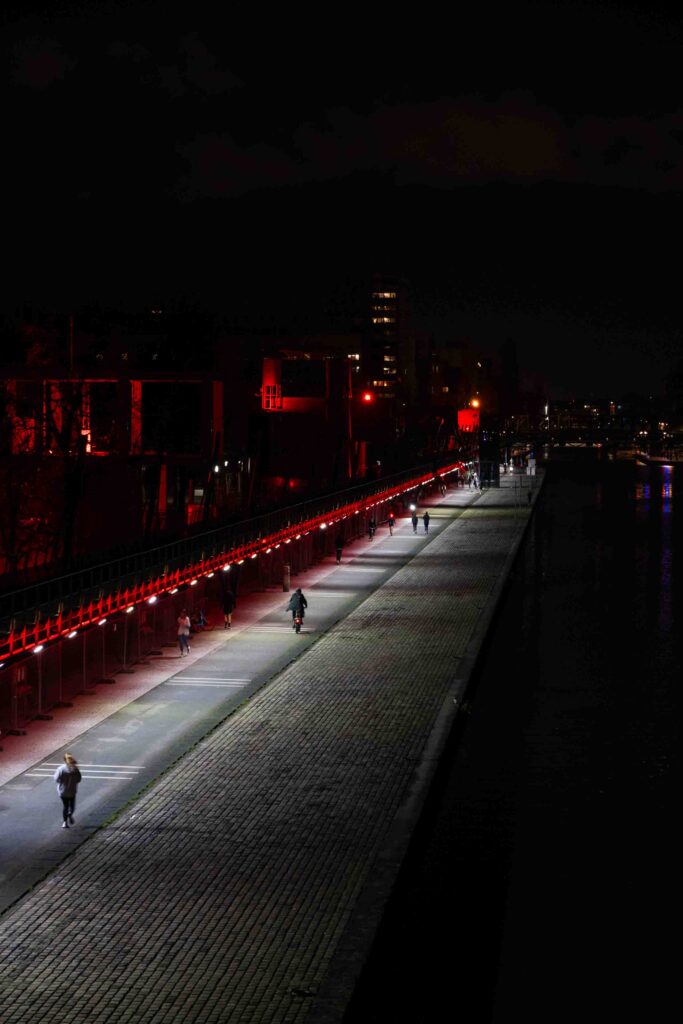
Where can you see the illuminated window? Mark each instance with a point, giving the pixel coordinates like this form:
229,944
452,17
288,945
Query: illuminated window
384,295
389,359
380,383
384,319
272,397
444,390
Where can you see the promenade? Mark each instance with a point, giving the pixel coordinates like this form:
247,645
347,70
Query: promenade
282,778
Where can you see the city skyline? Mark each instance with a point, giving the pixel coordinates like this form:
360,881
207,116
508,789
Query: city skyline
524,171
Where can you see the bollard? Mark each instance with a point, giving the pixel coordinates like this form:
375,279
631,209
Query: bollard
285,578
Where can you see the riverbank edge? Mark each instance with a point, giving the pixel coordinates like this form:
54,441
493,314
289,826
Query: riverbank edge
355,945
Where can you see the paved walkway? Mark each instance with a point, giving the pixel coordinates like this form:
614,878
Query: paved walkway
246,883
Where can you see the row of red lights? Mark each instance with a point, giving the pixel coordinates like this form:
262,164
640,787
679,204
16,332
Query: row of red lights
122,602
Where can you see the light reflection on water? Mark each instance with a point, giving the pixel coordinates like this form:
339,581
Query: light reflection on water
656,482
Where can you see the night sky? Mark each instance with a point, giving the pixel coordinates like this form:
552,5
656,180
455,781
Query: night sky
523,167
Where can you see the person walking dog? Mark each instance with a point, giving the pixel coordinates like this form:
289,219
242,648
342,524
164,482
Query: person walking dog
67,778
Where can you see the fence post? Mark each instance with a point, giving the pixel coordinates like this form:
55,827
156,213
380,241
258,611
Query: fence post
105,678
41,714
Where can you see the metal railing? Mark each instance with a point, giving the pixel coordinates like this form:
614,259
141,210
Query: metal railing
89,627
35,613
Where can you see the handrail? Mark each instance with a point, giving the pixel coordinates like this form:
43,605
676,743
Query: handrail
36,614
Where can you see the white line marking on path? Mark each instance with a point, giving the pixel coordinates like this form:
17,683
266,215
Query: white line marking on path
213,679
82,764
215,686
361,568
92,773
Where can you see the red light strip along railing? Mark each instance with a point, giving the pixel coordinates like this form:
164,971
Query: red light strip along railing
32,636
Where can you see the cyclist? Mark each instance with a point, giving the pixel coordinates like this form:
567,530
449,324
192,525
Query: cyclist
297,605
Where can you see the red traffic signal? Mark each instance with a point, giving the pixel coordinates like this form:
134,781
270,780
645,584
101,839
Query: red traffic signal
368,396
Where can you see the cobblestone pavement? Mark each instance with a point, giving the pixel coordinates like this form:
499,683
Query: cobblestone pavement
224,892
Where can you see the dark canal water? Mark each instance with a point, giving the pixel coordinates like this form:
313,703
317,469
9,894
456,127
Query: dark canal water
544,881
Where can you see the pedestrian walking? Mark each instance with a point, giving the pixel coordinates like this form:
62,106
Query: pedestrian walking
425,520
414,521
391,521
372,526
228,608
338,545
67,778
184,625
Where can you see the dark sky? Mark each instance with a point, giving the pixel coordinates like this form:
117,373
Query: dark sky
522,166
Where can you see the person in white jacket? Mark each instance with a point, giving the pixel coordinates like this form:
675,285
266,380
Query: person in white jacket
67,778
